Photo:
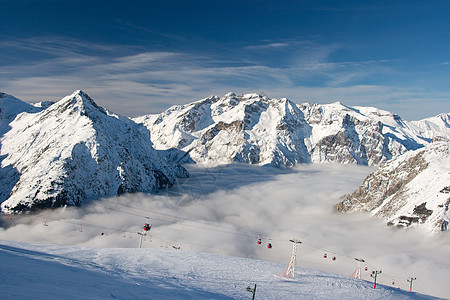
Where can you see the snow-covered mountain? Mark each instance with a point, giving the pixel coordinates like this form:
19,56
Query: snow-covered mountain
410,190
257,130
75,151
10,107
55,272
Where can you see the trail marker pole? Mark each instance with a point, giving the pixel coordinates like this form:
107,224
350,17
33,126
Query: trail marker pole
410,280
374,275
252,290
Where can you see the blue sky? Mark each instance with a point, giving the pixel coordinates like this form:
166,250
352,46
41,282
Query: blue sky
138,57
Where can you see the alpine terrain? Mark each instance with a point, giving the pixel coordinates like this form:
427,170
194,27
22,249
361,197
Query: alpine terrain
407,191
258,130
74,151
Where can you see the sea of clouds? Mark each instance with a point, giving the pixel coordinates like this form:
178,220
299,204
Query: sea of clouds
224,210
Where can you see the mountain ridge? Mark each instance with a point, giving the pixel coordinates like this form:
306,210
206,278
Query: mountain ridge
75,151
258,130
410,190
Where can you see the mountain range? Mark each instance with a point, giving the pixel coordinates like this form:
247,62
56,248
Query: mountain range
73,151
257,130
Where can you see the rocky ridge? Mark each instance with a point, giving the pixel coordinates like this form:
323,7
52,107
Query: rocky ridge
258,130
410,190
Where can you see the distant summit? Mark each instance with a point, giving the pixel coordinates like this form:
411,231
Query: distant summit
255,129
10,107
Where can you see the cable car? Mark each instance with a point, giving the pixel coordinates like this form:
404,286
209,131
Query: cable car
269,246
334,258
365,268
146,227
259,241
325,255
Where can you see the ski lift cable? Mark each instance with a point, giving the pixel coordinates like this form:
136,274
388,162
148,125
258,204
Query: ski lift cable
399,277
243,232
190,225
250,232
85,224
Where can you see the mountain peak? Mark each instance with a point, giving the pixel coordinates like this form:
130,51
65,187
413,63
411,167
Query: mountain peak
78,102
75,151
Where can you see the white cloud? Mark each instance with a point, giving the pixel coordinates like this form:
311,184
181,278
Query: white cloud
133,81
224,209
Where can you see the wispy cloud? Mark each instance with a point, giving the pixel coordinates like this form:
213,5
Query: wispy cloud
151,81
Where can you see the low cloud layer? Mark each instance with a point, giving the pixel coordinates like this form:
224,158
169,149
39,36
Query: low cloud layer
224,210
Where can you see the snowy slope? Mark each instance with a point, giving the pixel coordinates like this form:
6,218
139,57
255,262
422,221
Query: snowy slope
428,127
257,130
410,190
55,272
10,107
75,151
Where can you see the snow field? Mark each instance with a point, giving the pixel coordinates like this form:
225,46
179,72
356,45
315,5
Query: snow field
52,272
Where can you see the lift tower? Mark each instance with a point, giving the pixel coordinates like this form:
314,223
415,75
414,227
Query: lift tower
290,269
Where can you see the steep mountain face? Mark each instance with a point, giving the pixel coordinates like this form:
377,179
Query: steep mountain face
258,130
75,151
246,128
407,191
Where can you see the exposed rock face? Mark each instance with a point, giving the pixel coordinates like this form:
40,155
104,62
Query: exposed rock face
258,130
75,151
407,190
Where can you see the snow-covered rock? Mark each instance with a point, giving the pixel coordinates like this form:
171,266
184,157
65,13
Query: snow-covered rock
75,151
257,130
410,190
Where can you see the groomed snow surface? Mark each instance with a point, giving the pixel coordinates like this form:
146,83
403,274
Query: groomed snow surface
31,271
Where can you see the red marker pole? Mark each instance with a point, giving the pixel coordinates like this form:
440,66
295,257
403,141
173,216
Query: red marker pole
374,275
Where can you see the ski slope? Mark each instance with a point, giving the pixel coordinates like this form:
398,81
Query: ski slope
36,271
